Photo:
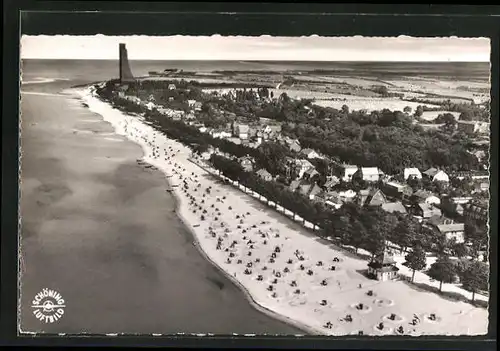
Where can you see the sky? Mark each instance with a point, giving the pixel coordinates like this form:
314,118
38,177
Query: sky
216,47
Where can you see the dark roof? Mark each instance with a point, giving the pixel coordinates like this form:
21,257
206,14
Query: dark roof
383,268
454,227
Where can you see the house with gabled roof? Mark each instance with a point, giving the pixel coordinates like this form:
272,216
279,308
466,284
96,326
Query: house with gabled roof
310,173
453,231
309,153
425,196
394,207
302,165
426,210
371,197
447,227
331,182
370,174
309,190
396,190
347,195
383,267
412,173
348,172
436,175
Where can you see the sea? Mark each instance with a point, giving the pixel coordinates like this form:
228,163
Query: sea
96,70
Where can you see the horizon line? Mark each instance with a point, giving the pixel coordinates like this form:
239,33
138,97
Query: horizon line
242,60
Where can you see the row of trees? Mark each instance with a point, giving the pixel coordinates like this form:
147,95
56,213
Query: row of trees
468,111
361,227
473,275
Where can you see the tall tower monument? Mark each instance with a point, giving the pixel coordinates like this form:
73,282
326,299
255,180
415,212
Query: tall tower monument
125,72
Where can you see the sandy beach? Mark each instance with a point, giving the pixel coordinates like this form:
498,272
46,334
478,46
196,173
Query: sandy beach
282,267
99,228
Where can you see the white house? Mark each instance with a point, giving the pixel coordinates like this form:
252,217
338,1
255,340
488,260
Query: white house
348,172
413,173
370,174
171,87
453,231
241,131
309,153
433,200
437,175
423,196
347,195
191,103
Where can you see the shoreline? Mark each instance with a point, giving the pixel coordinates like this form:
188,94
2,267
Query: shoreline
252,296
197,244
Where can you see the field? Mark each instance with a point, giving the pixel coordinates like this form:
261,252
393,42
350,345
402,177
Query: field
336,90
453,90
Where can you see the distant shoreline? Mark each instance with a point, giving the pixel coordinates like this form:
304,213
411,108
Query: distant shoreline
480,71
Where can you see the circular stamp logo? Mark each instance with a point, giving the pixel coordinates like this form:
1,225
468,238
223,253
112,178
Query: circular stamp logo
48,306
